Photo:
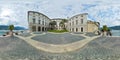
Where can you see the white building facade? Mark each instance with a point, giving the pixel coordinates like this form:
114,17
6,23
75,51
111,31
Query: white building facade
38,21
77,23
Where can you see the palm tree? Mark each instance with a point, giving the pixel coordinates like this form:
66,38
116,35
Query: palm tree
105,30
11,28
62,23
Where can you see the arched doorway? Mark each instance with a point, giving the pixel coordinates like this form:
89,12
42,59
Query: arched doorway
76,29
39,28
81,29
42,28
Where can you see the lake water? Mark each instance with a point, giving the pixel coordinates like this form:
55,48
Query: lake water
2,32
115,32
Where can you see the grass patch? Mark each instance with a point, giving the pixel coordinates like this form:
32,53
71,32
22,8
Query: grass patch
58,31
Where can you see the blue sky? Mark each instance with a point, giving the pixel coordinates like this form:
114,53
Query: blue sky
104,11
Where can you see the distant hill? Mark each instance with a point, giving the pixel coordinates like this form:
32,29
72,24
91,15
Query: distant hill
115,27
5,27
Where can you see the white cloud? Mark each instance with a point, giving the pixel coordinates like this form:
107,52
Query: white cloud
106,12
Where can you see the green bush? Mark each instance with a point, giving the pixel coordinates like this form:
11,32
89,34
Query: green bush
58,31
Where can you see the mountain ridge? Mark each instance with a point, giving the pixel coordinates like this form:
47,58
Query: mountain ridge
5,27
115,27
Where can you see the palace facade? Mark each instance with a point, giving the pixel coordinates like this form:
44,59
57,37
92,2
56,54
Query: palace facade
78,23
38,21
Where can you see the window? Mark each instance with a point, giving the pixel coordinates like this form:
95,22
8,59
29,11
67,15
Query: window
39,21
42,22
33,14
34,21
76,29
73,23
73,29
76,17
70,24
76,22
81,21
70,29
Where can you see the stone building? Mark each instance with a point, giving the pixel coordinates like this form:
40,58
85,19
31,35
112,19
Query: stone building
78,23
92,26
38,21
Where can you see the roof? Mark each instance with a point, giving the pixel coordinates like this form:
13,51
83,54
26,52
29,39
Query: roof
94,22
57,19
38,13
79,15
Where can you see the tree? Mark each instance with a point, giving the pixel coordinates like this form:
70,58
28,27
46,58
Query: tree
11,28
105,28
52,25
62,23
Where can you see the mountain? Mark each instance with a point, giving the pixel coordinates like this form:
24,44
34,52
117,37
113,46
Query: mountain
115,27
5,27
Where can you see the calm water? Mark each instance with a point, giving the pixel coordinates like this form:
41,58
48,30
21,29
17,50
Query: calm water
2,32
115,32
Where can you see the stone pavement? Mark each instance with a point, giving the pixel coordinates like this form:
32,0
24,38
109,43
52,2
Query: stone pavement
52,48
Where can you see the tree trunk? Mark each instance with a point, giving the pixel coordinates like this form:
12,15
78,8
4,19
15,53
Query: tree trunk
11,33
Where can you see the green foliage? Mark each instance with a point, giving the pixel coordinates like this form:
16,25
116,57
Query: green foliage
58,31
52,24
11,27
105,28
62,23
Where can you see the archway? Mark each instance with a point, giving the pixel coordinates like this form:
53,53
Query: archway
33,28
81,29
39,28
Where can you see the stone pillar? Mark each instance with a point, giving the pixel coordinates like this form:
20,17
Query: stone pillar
44,28
41,28
36,28
58,25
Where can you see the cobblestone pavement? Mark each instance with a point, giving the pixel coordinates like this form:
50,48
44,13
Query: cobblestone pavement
52,38
53,48
101,48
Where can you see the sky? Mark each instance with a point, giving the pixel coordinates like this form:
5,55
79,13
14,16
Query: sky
103,11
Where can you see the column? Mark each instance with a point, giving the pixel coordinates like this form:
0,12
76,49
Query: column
44,28
36,28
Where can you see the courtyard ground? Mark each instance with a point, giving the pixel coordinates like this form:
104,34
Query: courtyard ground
100,48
